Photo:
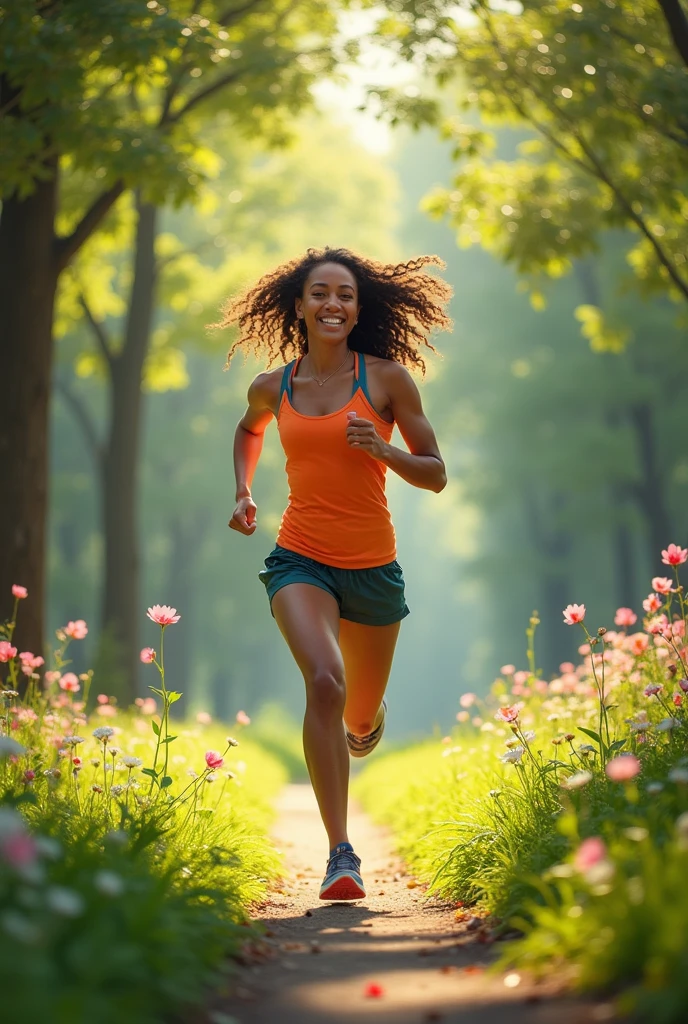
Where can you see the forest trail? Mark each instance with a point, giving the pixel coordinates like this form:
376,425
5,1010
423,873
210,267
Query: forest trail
322,957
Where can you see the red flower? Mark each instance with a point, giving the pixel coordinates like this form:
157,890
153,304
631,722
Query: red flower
674,555
574,613
19,592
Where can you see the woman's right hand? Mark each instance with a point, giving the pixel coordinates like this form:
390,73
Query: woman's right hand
244,517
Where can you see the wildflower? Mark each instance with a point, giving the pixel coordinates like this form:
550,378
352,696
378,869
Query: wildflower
65,902
639,643
10,748
662,584
203,718
117,789
51,677
659,624
674,555
114,751
76,630
7,651
652,689
163,614
19,592
242,718
462,716
73,741
679,775
653,788
30,660
590,852
95,788
108,883
127,761
147,655
103,733
70,682
495,793
639,724
29,775
623,768
512,756
147,705
9,694
507,670
683,683
17,845
192,773
577,780
509,714
529,735
232,742
678,699
466,700
574,613
213,759
667,724
625,617
210,777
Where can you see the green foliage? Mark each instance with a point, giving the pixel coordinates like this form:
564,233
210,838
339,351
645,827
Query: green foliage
604,90
128,861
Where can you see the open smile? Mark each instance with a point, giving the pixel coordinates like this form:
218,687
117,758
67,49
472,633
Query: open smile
331,321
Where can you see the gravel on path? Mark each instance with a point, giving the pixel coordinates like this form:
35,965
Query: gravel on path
393,958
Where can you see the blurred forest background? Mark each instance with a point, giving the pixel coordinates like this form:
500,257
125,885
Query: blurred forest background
558,400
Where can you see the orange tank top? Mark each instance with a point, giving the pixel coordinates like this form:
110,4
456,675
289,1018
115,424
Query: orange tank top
337,511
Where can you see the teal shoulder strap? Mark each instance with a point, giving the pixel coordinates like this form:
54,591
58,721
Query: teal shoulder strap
286,381
361,376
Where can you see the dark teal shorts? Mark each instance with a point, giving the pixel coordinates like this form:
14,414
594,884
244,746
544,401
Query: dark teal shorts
373,597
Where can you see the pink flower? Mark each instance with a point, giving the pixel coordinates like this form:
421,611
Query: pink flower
146,704
521,677
29,775
625,617
147,655
462,716
163,614
662,584
213,759
32,660
590,852
19,592
18,849
507,670
623,768
657,625
507,714
106,710
674,555
203,718
652,690
639,643
683,683
52,677
574,613
678,699
76,630
652,604
566,667
7,651
466,700
242,718
70,682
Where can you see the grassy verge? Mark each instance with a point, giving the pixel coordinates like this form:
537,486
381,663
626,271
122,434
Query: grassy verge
131,848
560,807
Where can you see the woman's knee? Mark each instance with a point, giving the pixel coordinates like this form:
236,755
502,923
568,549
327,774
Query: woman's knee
326,690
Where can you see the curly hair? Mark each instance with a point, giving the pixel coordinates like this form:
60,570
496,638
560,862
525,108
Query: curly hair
400,305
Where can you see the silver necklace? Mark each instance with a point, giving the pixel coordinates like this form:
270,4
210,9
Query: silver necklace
325,379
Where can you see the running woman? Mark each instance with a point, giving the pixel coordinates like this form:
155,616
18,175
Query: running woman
335,588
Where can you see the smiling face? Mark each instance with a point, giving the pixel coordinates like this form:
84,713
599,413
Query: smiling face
329,304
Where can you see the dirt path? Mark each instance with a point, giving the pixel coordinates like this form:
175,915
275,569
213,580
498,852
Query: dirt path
323,957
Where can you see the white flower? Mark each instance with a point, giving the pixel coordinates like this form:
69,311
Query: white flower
108,883
577,780
117,790
104,732
529,736
127,761
668,723
210,777
232,742
678,775
73,741
65,902
10,748
115,751
654,787
513,756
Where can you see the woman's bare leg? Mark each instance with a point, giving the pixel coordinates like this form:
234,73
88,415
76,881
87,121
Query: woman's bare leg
308,618
368,652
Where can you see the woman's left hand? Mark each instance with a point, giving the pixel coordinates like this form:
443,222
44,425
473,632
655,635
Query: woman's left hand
362,434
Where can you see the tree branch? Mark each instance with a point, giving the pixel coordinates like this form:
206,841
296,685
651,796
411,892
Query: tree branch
83,418
98,329
67,246
235,13
677,23
203,94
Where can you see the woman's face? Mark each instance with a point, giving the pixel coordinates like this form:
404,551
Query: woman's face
329,304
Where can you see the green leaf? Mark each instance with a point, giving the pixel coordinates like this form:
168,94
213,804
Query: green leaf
160,693
169,739
173,696
593,735
616,745
155,727
165,782
149,771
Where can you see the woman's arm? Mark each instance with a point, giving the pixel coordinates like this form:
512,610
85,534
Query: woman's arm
248,444
422,465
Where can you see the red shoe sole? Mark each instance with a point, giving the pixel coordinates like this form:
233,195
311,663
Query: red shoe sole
343,889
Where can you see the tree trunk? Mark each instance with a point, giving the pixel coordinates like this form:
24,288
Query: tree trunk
649,493
121,599
28,281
